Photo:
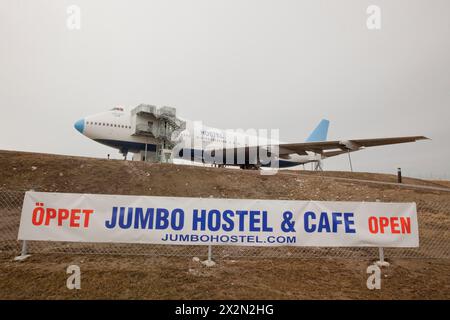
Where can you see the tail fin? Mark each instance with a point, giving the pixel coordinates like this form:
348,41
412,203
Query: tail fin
320,132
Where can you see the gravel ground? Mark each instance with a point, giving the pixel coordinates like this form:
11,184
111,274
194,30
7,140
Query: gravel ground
140,277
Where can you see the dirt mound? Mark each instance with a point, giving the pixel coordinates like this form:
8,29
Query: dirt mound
54,173
155,277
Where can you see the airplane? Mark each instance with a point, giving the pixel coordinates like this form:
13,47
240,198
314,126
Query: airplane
117,129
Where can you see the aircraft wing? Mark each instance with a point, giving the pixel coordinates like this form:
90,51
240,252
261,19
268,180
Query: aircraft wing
325,148
333,148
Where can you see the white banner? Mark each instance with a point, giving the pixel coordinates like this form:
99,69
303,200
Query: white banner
199,221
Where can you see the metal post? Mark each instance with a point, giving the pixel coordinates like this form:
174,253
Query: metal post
381,253
24,254
209,253
350,160
209,262
381,262
145,153
399,175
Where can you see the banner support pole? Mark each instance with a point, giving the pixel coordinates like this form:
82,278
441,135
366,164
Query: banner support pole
209,253
24,253
381,262
209,262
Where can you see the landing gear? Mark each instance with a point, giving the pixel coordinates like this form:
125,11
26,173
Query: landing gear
124,152
350,160
318,166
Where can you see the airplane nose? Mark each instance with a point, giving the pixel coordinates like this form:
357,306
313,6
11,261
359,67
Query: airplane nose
79,125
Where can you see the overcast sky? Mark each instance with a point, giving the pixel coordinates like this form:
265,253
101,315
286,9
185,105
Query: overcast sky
233,64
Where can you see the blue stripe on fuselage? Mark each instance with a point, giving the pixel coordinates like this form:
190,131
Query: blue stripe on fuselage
127,145
283,164
197,154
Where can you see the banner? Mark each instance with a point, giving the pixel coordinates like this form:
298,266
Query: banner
200,221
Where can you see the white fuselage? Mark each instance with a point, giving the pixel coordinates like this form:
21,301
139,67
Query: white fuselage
115,129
